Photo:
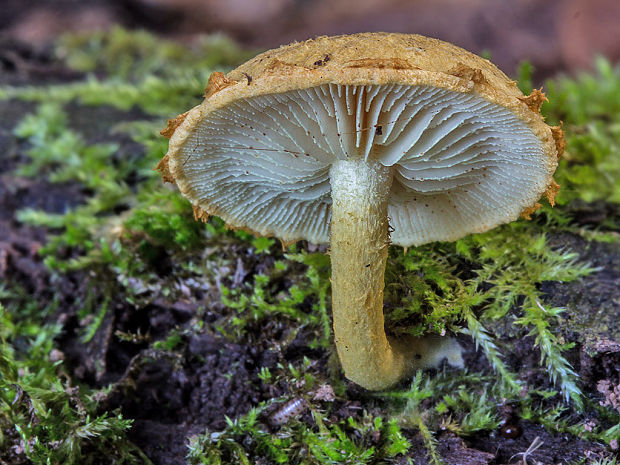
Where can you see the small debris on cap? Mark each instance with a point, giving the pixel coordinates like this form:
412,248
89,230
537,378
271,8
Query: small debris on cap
558,136
527,212
217,81
468,73
535,100
380,63
164,170
172,125
552,191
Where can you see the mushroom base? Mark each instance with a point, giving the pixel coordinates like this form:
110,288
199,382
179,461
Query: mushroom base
358,251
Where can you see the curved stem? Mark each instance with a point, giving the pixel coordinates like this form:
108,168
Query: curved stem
359,249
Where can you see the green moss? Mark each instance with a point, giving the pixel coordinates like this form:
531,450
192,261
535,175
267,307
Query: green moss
166,221
366,441
42,415
589,107
63,155
304,303
154,95
477,281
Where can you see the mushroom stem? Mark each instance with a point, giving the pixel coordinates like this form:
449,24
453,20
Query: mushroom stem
359,250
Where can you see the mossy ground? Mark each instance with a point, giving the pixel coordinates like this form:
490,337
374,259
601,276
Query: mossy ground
128,329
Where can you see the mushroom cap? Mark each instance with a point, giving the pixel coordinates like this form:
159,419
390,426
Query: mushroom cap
468,150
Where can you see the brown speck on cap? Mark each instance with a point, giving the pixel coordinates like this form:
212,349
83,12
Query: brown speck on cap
552,192
535,100
558,136
172,125
217,81
279,67
164,171
528,211
468,73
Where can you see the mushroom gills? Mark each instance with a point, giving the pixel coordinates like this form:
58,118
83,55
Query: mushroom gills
277,149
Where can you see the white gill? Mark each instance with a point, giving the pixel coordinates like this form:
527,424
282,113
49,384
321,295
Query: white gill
457,159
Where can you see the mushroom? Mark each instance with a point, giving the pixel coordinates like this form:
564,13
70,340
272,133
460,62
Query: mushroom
360,141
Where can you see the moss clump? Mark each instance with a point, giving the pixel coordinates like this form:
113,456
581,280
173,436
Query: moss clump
477,281
303,303
44,417
369,440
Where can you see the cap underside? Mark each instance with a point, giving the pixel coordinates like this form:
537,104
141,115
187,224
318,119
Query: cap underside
461,164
